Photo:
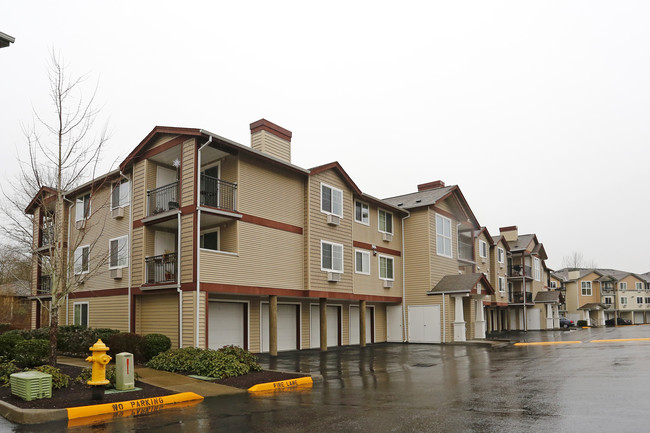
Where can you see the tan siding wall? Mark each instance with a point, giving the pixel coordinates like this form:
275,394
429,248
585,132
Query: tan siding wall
202,320
380,323
159,314
104,312
229,239
189,319
418,257
254,325
137,256
188,193
140,189
230,168
161,140
595,295
187,248
272,145
440,265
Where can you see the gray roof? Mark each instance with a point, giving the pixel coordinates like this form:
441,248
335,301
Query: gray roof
5,40
458,283
552,296
521,243
594,306
607,274
420,198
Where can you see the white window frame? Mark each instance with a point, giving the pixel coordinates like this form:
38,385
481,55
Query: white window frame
125,248
622,286
124,194
501,255
537,270
502,284
392,262
365,259
585,288
639,286
482,249
333,268
74,313
608,298
441,235
623,300
333,200
647,300
78,260
79,208
364,206
388,214
203,233
553,284
641,299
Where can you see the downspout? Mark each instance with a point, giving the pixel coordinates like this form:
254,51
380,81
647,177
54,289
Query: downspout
444,320
67,305
523,267
128,300
198,238
404,328
178,283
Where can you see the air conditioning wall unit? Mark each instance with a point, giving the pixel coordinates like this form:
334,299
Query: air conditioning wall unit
333,220
333,277
116,274
117,212
388,284
81,224
387,237
483,260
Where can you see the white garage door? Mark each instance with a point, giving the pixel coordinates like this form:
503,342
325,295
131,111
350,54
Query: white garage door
226,324
354,324
424,323
394,323
533,319
638,317
287,327
332,326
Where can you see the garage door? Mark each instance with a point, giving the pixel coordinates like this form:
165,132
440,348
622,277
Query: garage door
226,324
333,328
533,319
354,324
638,317
424,323
287,327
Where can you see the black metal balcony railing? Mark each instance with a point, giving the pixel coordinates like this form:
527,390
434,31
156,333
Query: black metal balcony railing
520,271
518,297
44,285
218,193
163,198
161,269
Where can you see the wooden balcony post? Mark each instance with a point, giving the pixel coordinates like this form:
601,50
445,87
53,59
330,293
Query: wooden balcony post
323,324
362,323
273,325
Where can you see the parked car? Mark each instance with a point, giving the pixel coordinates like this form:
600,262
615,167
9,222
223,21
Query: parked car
619,321
565,323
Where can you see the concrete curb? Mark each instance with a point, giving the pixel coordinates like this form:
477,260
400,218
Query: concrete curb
31,416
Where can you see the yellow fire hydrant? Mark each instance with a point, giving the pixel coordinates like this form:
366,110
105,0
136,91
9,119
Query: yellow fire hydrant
99,360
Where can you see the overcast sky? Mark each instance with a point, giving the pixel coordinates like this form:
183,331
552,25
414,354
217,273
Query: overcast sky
539,111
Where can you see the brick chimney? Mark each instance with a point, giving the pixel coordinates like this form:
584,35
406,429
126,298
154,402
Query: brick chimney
271,139
431,185
510,233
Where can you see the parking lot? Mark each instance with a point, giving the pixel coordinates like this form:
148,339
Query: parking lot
593,380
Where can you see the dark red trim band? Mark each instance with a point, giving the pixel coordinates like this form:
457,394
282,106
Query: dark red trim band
366,246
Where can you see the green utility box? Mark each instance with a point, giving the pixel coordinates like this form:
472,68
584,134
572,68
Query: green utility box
31,385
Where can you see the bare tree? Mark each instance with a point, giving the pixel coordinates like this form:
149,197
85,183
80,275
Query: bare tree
62,154
576,260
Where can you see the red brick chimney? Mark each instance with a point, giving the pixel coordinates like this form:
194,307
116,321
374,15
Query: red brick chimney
272,139
431,185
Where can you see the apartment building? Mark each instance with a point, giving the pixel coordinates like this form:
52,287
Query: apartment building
497,308
212,242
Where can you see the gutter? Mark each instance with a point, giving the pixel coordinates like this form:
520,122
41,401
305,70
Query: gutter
128,301
198,239
404,328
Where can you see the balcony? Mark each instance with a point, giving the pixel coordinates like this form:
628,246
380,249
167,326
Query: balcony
162,199
161,269
518,271
47,236
465,251
518,297
44,286
218,193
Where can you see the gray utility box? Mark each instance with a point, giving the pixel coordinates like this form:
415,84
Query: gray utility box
124,371
31,385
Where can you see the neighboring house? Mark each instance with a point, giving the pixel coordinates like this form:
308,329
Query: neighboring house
444,290
211,243
15,305
5,40
497,308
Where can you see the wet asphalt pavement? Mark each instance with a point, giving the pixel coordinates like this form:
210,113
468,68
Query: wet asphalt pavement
585,387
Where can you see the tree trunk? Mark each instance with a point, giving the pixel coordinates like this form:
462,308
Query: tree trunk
54,328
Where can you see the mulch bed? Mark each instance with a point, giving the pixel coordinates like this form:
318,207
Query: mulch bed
78,394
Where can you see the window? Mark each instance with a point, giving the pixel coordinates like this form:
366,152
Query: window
608,300
647,300
80,315
210,240
623,300
639,286
362,262
81,256
639,300
553,284
331,257
82,207
538,271
386,268
586,288
482,249
361,212
118,252
502,284
622,287
501,254
443,236
331,200
121,195
385,222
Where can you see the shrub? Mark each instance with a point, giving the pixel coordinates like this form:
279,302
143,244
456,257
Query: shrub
7,368
126,342
104,334
582,323
36,334
8,342
75,340
205,362
4,327
153,344
29,353
243,355
59,380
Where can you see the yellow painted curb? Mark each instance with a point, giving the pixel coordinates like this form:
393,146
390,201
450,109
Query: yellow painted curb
282,384
547,343
145,404
620,339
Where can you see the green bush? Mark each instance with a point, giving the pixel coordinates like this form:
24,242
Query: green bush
243,355
59,380
4,327
104,334
74,340
7,368
126,342
29,353
36,334
8,342
582,323
205,362
153,344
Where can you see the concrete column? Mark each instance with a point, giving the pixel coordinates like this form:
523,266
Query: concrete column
556,316
323,324
459,319
273,325
362,323
479,326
